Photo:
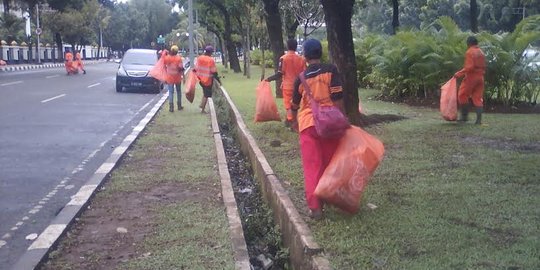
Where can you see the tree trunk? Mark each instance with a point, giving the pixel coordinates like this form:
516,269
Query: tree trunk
247,51
229,44
58,39
395,16
291,30
275,33
474,16
338,14
6,7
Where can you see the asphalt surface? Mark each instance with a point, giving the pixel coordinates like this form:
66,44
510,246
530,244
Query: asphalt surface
55,131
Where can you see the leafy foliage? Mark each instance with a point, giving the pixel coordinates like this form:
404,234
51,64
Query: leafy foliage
417,62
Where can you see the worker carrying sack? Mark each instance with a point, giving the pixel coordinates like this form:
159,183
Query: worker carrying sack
329,120
449,100
190,84
265,106
356,158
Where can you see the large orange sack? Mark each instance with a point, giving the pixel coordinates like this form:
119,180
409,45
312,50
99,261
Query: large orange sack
356,158
190,84
449,100
265,106
158,71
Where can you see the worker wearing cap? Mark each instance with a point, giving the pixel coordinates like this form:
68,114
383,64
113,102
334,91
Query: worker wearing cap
175,70
205,68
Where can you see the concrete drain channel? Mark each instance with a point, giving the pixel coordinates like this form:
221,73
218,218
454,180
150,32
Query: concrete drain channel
275,234
262,237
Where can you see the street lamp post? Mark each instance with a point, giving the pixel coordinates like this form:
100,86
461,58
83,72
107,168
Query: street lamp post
190,30
38,33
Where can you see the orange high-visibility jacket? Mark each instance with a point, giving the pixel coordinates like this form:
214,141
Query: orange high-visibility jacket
174,68
205,68
291,64
69,56
326,87
475,62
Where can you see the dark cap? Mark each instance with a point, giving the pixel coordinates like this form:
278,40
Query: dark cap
209,49
312,49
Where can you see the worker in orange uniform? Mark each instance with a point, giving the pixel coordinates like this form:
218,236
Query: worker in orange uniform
290,65
78,58
68,62
472,86
174,69
326,88
206,71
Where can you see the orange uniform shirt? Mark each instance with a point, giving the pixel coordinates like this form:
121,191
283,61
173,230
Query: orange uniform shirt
325,85
174,68
475,62
205,69
290,65
69,56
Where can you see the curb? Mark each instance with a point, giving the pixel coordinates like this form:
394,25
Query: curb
236,233
305,253
29,67
39,249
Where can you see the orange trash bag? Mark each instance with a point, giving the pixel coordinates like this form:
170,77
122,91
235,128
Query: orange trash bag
449,100
265,106
356,158
190,84
158,71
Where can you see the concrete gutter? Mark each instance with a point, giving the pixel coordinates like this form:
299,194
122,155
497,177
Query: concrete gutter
47,240
305,253
236,233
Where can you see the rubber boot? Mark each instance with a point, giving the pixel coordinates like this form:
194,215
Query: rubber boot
479,111
464,110
171,107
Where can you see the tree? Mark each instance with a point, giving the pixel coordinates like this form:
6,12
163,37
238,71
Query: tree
395,16
275,33
338,14
229,44
308,13
474,16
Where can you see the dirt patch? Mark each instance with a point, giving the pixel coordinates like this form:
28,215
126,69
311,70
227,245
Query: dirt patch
507,144
113,227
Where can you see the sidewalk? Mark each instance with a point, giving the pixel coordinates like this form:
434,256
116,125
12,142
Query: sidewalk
21,67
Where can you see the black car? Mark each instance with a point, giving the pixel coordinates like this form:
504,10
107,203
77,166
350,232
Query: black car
133,71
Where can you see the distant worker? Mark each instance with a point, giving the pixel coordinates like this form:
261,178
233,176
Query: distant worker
205,68
174,69
78,58
472,86
68,62
290,65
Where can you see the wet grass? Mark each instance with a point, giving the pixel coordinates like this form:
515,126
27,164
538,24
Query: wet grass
449,196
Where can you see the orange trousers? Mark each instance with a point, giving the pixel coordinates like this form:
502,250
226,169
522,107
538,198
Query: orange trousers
472,87
287,99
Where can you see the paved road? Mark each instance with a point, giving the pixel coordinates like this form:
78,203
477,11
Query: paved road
55,131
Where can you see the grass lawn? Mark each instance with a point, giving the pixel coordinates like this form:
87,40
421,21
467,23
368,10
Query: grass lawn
449,196
166,193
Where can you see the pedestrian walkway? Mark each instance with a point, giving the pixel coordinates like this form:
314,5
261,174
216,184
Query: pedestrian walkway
22,67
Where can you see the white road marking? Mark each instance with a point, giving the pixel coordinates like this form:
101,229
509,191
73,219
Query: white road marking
49,235
82,195
2,243
52,76
10,83
95,84
53,98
